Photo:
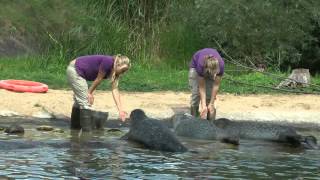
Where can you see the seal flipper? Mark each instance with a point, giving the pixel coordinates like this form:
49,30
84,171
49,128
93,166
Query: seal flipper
310,142
231,140
125,137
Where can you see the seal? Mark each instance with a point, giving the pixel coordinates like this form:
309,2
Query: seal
14,129
229,131
189,126
267,131
152,133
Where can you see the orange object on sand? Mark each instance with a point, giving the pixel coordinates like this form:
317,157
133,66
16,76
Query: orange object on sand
23,86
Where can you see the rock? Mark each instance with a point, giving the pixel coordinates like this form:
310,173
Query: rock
58,130
14,129
113,130
59,116
8,113
45,128
43,114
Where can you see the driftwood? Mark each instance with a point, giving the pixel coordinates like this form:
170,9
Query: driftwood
298,78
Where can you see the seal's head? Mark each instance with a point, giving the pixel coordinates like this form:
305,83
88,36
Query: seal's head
137,115
222,122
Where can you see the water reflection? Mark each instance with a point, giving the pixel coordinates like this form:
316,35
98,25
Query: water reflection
101,155
91,154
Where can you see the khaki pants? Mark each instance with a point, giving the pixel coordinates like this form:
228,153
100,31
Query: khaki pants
194,87
79,86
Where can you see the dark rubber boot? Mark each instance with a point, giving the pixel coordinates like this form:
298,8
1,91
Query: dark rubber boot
75,118
86,120
194,110
99,118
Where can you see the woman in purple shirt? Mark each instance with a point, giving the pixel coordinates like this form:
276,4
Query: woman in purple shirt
93,68
205,74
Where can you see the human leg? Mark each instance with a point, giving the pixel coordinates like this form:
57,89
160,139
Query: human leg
80,115
195,96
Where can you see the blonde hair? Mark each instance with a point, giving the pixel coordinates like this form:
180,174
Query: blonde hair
119,60
211,66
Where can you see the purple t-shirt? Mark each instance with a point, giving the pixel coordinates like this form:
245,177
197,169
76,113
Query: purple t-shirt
89,66
198,60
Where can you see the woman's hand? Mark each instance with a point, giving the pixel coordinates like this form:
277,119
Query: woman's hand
203,112
211,108
90,98
122,115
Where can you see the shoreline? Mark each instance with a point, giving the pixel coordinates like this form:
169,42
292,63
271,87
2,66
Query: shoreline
280,108
64,122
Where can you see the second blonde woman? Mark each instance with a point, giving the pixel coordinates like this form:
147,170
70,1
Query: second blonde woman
205,75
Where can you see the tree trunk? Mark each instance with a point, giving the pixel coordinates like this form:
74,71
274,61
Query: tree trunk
298,78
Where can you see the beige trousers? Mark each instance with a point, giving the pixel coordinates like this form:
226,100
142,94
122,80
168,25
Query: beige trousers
194,87
79,86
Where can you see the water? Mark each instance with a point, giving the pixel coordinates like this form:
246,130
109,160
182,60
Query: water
110,158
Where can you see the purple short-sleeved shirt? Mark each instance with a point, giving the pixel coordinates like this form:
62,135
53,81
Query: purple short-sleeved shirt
198,60
89,66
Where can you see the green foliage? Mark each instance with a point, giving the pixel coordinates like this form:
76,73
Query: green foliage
31,68
30,22
248,82
139,78
160,37
270,32
316,79
277,33
176,47
128,27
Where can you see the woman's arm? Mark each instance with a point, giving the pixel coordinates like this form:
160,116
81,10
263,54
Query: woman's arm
215,89
117,100
94,85
212,106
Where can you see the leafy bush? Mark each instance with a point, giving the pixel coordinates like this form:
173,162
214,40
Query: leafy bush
272,32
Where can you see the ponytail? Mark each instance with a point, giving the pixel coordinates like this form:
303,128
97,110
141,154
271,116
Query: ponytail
119,60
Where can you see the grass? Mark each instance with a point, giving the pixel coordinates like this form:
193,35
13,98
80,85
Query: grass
33,69
248,83
140,77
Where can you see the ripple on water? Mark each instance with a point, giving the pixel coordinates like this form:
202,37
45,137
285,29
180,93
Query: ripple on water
122,160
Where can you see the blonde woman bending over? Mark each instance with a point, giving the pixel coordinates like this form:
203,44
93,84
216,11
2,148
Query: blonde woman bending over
205,74
94,68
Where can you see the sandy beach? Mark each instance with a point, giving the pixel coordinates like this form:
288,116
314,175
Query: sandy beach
289,108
